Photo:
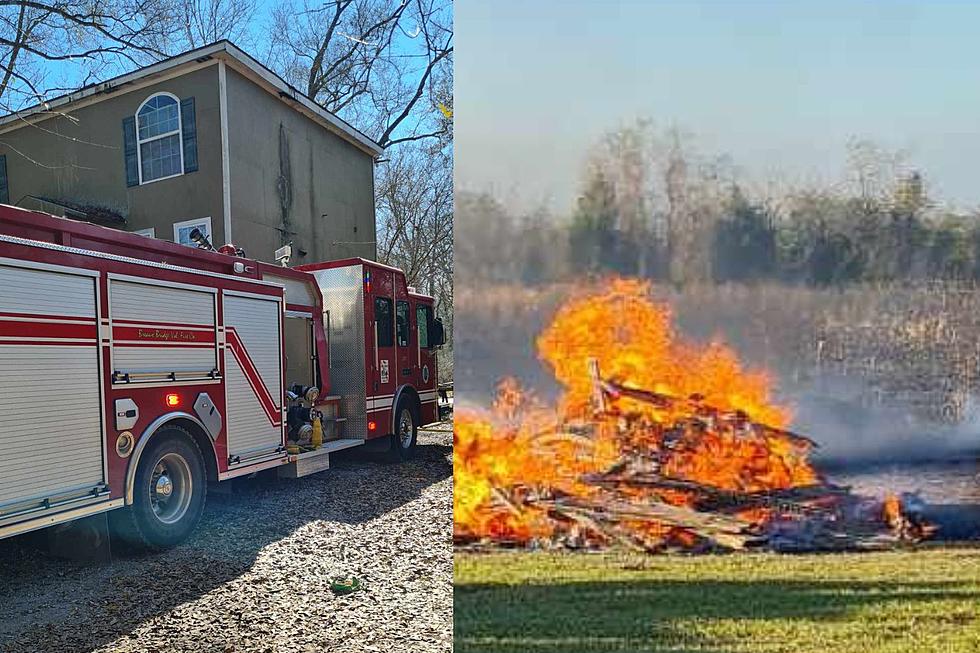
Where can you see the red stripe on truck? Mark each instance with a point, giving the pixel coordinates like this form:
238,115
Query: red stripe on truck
259,388
38,330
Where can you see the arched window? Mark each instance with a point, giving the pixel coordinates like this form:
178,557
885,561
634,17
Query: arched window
158,134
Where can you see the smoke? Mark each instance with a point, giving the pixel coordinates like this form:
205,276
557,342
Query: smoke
477,379
854,433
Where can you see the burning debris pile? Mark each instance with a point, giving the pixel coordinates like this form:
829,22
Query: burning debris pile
655,444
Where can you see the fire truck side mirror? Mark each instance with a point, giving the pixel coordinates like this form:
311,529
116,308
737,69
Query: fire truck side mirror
438,335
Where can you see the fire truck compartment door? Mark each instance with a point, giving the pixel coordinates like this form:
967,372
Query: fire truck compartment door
157,330
51,431
253,376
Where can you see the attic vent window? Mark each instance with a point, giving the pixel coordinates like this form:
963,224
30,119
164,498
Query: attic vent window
158,132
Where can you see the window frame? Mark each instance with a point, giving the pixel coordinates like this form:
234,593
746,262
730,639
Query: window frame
408,323
140,142
426,311
150,232
193,222
390,322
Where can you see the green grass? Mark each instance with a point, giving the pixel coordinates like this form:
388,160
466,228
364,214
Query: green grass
905,601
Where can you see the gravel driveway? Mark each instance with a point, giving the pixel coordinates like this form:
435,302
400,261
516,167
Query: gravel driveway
256,574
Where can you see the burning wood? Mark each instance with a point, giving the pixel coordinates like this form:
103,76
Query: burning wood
629,461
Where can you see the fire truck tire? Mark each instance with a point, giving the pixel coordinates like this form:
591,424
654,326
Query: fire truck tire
169,492
406,432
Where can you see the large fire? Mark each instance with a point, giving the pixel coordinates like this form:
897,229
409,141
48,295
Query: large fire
646,425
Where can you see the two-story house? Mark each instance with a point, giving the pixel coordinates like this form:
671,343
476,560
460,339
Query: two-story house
209,139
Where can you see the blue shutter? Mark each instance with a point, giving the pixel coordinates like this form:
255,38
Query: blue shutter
188,121
129,150
4,188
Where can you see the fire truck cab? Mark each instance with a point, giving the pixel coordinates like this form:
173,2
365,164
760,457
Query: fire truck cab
383,339
134,371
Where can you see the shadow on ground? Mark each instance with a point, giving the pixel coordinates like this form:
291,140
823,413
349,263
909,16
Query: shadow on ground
657,615
102,602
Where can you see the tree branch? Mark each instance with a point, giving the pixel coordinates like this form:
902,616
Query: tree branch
385,139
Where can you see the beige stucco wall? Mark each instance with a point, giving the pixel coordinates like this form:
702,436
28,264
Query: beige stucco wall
330,181
92,169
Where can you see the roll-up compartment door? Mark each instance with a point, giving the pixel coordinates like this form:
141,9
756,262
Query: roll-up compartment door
161,330
253,376
51,433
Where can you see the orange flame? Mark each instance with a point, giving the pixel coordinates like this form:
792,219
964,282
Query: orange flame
634,341
891,511
520,448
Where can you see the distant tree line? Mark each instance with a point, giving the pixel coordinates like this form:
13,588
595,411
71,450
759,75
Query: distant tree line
651,208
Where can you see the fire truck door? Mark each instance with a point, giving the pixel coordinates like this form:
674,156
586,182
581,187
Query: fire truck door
253,373
384,374
405,341
426,364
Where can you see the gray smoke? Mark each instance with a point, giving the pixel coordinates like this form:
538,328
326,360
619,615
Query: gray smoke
854,432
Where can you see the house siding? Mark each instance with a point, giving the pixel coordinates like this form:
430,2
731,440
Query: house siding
329,183
91,170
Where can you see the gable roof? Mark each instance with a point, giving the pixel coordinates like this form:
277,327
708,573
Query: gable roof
226,51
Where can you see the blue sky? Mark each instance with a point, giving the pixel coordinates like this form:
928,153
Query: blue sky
779,86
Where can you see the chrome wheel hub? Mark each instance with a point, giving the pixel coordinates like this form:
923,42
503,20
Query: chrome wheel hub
405,429
165,487
171,488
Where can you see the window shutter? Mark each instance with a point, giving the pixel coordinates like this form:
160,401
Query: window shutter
188,120
4,187
129,150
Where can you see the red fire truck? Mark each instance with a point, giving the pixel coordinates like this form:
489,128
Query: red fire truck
133,371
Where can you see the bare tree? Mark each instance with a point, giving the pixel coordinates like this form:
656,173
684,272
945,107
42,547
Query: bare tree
382,64
873,172
665,196
415,226
50,46
200,22
624,158
415,215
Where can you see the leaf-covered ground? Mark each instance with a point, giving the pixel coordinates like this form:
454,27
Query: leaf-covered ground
256,574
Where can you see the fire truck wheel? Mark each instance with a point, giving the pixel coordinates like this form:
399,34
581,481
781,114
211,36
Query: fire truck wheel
168,492
406,432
